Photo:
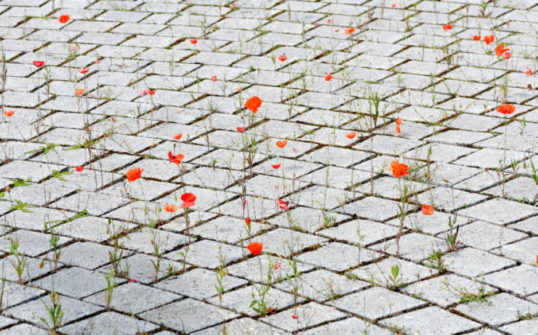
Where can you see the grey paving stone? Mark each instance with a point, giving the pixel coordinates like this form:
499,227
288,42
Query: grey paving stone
199,283
344,256
110,322
193,315
321,285
353,326
240,326
306,316
519,279
473,263
134,298
501,308
34,311
376,303
381,272
498,211
431,319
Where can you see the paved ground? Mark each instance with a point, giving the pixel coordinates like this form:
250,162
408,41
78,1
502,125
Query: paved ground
350,246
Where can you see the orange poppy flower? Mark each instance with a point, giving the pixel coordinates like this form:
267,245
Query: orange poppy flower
489,39
528,72
247,221
427,209
38,63
349,31
64,19
351,135
194,41
253,104
398,169
175,159
79,91
328,77
281,144
506,109
393,5
255,248
282,58
500,50
398,123
477,37
447,27
9,112
188,199
170,208
178,136
134,174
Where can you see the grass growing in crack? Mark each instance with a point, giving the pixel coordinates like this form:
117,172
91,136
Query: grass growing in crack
435,259
452,235
21,206
54,312
20,262
110,285
481,296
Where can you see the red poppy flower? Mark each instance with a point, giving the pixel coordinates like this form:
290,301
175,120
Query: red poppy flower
170,208
351,135
328,77
151,91
398,123
477,37
507,55
79,168
253,104
269,310
247,221
528,72
282,58
79,91
282,204
194,41
506,109
175,159
393,5
64,18
9,112
489,39
276,166
349,31
83,70
427,209
398,169
500,50
178,136
134,174
38,63
295,317
188,199
241,129
255,248
281,144
213,78
447,27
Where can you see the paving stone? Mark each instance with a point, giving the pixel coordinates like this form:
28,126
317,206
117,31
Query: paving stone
413,246
199,283
431,319
29,242
34,311
520,279
193,315
501,308
285,242
255,269
381,272
498,211
446,290
110,322
240,326
472,262
381,303
307,315
522,327
344,256
134,298
521,251
473,235
24,328
360,231
208,254
353,326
